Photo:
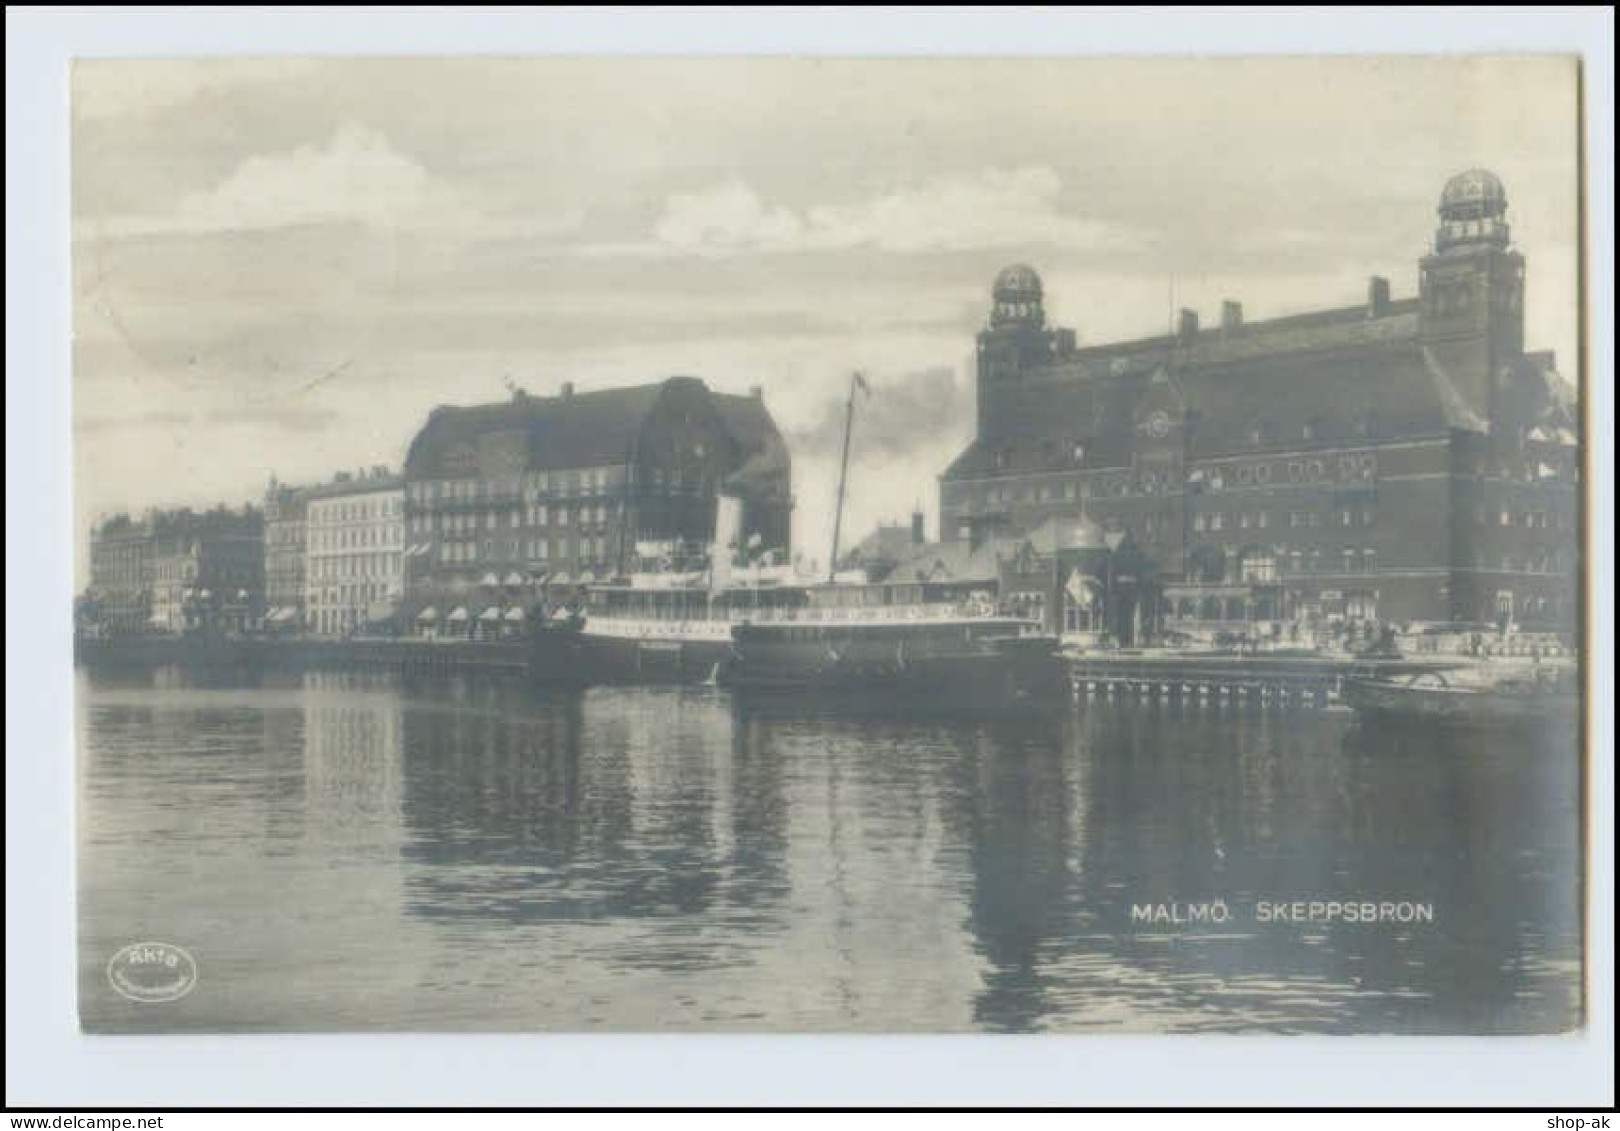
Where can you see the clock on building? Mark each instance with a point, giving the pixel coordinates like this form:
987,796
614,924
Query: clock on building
1157,424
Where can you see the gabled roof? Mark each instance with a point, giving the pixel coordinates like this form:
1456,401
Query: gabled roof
766,461
596,429
1227,398
885,544
592,429
950,561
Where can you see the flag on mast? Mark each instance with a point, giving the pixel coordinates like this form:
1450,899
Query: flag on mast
860,383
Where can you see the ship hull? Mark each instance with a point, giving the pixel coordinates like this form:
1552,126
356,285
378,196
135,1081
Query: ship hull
651,659
1452,706
904,664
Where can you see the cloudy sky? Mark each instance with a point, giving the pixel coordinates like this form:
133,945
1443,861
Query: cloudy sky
281,266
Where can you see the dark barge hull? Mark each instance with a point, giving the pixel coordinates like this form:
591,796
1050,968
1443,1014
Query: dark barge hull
1388,701
623,659
901,666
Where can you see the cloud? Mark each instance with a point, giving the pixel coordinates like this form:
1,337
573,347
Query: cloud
902,415
355,176
994,208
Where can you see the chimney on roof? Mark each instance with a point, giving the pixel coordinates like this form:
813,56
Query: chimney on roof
917,527
757,392
1231,315
1377,296
1186,323
567,389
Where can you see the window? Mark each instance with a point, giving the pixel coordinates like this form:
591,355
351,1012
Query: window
1258,566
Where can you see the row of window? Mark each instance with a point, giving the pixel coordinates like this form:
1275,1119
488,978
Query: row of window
530,486
325,541
334,514
350,595
366,565
537,550
474,521
1348,469
1529,520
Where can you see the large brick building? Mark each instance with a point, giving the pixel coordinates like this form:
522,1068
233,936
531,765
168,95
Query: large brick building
1398,460
582,486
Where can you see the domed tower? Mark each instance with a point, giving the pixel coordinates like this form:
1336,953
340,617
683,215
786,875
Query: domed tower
1472,292
1016,299
1015,342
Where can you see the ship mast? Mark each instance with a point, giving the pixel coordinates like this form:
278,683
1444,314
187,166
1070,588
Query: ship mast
856,382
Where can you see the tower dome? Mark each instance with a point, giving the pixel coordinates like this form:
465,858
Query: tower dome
1472,210
1016,298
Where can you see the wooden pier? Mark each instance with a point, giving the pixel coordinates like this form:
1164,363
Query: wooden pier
1293,682
402,655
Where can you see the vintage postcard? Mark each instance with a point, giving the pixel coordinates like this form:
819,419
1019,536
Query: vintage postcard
829,545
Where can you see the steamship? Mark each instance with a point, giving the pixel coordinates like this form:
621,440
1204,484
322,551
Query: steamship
766,626
777,631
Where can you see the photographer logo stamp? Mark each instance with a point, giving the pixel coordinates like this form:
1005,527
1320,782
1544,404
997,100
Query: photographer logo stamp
152,972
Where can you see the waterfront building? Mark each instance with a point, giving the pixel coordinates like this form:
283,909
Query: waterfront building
886,547
510,501
1398,460
355,546
285,535
119,600
207,570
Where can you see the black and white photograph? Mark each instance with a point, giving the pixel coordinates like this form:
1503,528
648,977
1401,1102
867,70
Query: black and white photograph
555,562
794,544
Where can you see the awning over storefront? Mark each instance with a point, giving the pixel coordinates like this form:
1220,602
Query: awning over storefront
516,578
492,613
514,613
428,614
561,579
490,579
458,614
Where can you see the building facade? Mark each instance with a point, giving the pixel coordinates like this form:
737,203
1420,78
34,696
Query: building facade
355,548
1399,460
207,571
507,498
285,536
119,601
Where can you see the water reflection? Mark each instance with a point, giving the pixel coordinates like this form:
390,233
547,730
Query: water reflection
354,851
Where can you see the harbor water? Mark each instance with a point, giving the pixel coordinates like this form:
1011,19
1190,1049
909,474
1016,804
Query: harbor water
378,851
